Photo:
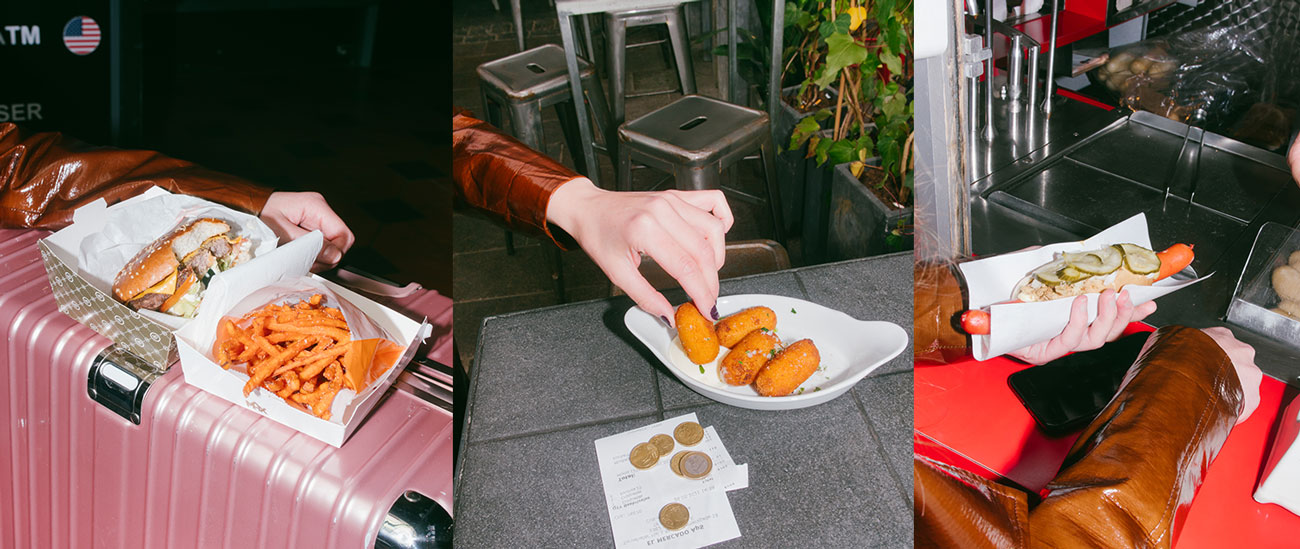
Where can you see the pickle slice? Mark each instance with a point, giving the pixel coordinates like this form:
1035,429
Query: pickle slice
1070,274
1096,262
1139,260
1047,274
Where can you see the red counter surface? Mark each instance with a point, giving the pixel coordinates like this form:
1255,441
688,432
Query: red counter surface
966,415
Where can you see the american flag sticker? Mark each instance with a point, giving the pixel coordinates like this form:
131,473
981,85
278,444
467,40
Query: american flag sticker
81,35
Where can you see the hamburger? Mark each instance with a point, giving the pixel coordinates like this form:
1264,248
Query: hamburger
1094,271
171,274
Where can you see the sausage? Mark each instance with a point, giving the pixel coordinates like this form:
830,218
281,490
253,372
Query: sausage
747,358
735,327
696,334
788,369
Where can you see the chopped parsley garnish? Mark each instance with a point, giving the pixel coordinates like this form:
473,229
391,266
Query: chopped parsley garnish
701,368
771,354
815,389
800,391
792,311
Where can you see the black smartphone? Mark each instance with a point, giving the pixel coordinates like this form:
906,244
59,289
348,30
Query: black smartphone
1067,393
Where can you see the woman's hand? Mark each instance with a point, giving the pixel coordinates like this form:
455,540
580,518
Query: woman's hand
1114,313
1243,360
684,231
292,215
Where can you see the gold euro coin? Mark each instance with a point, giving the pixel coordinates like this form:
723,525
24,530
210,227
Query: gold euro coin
689,433
676,462
643,456
663,443
696,465
674,516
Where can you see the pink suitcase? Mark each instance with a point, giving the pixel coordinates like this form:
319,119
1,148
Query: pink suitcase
96,457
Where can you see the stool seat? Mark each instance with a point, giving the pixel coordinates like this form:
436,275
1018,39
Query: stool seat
537,72
695,138
696,130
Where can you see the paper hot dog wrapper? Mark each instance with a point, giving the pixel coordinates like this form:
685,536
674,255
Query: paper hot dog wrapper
1013,326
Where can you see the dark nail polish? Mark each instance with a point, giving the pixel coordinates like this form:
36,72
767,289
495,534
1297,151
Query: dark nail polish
714,312
665,319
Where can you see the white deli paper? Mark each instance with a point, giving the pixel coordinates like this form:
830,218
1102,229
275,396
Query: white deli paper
115,235
287,263
634,497
1014,326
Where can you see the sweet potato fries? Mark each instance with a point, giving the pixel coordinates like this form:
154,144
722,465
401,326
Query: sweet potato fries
295,351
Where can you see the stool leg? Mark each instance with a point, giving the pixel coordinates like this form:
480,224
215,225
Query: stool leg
569,124
518,14
773,191
526,122
595,93
586,36
615,52
682,51
623,181
698,178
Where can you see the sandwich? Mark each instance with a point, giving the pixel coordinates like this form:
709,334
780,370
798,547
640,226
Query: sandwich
171,274
1072,274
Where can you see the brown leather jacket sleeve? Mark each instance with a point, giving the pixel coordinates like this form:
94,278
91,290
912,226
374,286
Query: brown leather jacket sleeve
937,302
505,178
956,508
1128,479
45,176
1132,473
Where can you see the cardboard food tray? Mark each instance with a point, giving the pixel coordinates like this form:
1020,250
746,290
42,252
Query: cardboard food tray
288,262
81,299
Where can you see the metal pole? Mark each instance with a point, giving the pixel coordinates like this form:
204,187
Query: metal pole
1032,80
1051,59
1015,70
988,74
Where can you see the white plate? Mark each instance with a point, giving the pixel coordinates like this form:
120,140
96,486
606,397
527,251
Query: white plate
850,349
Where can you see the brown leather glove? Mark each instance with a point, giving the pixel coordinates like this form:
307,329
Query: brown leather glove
1129,477
937,302
505,178
45,176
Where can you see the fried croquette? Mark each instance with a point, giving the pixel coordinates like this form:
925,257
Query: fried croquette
788,369
747,357
696,334
735,327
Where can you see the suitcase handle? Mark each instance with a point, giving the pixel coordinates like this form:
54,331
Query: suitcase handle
118,380
415,521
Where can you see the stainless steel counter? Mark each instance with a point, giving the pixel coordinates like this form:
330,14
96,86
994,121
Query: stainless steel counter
1095,168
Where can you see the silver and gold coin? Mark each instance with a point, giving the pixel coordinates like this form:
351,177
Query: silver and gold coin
643,456
689,433
696,465
674,516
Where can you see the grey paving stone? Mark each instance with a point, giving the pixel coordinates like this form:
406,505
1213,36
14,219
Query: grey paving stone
567,353
888,402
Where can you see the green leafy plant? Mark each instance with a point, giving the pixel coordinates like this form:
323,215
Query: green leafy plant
861,49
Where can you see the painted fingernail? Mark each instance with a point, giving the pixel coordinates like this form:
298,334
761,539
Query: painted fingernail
665,319
714,312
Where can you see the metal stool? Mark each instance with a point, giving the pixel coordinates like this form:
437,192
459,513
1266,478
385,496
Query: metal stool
695,138
526,82
616,24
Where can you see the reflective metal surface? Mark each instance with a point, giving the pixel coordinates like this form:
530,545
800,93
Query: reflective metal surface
1094,169
415,522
